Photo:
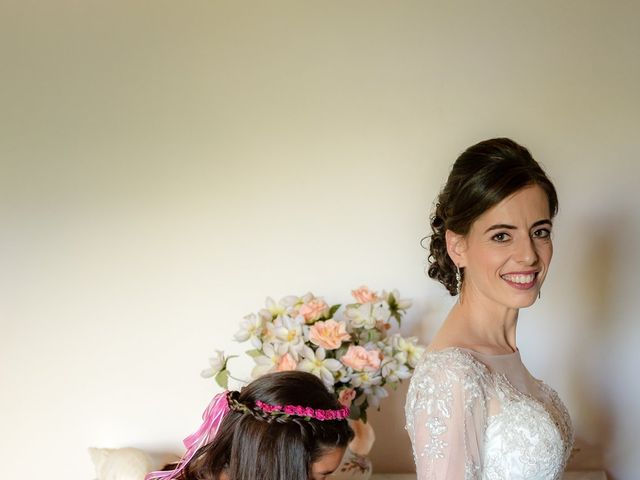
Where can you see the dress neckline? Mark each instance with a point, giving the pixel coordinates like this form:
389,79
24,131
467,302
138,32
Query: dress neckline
481,354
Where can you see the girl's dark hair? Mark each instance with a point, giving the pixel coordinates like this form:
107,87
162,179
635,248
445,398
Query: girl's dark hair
252,445
484,175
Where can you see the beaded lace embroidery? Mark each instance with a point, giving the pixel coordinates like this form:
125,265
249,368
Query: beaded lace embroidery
506,434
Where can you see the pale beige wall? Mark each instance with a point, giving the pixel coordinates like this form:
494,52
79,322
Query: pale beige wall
166,165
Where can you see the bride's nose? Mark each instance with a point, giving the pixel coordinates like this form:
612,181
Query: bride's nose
526,252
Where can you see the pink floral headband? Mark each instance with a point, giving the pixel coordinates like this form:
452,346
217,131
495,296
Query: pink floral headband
215,413
306,412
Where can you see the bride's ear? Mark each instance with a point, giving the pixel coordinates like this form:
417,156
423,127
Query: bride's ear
456,247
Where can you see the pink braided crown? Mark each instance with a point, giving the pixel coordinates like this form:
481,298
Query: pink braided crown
307,412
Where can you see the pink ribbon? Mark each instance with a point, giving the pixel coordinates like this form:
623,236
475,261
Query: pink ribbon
212,417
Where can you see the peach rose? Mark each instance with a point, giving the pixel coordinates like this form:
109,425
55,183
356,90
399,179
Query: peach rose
346,396
364,295
328,334
359,358
313,310
286,363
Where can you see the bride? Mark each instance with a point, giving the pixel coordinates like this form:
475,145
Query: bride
473,409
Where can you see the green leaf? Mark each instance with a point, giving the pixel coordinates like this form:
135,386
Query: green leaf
354,413
222,379
363,416
393,303
333,310
363,410
253,353
341,351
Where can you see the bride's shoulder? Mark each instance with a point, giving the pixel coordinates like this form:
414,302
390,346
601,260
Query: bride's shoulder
442,374
451,363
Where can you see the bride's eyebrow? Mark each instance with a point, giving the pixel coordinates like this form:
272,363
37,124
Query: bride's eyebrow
500,226
546,221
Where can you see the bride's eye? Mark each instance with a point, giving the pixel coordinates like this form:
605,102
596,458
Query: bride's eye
500,237
542,233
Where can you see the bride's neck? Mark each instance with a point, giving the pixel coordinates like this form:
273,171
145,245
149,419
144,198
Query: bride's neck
484,323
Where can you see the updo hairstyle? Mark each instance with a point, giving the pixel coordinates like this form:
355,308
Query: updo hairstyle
482,176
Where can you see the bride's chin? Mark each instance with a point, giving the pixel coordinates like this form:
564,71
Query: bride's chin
526,302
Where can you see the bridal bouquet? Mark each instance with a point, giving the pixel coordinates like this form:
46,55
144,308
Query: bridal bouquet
349,349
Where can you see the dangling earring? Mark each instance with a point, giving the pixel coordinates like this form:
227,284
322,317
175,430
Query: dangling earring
459,281
539,293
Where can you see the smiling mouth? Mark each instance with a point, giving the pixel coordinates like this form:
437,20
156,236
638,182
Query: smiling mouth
521,281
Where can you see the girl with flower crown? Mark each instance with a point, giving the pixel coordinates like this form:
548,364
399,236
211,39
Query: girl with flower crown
282,426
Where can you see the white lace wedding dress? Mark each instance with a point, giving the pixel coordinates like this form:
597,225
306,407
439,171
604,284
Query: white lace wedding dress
478,416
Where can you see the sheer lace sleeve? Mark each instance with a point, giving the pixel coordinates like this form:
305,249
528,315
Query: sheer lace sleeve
446,413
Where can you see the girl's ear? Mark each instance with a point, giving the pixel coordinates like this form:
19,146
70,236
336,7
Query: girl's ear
456,247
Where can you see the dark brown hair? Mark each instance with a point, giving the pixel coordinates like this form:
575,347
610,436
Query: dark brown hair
253,445
482,176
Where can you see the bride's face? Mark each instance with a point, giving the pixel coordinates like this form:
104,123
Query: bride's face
507,252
